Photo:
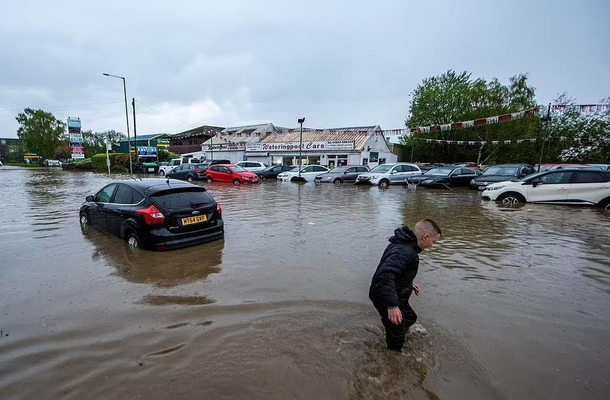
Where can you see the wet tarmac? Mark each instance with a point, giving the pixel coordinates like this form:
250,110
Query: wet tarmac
515,302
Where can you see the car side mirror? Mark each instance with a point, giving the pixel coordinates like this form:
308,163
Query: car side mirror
393,172
89,199
536,182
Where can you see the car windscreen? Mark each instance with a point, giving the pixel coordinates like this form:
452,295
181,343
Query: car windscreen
382,168
237,169
439,171
337,170
182,198
504,171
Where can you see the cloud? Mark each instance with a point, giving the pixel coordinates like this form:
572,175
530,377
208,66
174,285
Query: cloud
339,63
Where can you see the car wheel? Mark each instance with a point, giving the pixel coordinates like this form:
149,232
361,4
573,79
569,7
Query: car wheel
261,177
337,181
189,178
133,241
605,204
236,182
384,183
162,173
84,220
210,180
511,199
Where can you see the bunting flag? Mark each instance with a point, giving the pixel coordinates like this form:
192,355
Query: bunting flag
517,141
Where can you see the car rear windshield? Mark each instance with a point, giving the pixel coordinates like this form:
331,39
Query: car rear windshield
179,199
505,171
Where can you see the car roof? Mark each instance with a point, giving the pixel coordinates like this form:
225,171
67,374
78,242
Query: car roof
510,165
155,185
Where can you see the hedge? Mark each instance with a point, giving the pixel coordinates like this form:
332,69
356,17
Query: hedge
98,161
78,164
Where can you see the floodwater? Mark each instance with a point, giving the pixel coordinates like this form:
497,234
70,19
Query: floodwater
515,302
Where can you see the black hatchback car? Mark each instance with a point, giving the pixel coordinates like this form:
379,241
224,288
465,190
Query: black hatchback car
189,172
154,214
444,177
273,171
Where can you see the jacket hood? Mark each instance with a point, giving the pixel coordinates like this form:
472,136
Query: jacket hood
405,235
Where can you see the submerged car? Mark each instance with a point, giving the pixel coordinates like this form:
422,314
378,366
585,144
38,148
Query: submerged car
342,174
154,214
307,174
444,177
500,173
188,172
564,186
230,173
252,166
273,171
385,175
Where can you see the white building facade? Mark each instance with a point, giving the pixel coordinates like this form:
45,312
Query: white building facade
280,146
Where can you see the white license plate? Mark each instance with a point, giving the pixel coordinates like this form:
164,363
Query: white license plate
151,170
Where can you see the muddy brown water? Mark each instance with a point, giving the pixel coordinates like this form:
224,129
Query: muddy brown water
516,301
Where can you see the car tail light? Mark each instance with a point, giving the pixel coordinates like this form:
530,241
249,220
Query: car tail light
218,209
151,215
198,171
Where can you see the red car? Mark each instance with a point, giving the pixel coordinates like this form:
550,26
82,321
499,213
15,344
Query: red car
230,173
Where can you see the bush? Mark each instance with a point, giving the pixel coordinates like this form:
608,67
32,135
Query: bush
118,169
165,156
98,161
78,164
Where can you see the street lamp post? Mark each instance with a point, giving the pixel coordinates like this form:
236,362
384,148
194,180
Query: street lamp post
126,117
301,120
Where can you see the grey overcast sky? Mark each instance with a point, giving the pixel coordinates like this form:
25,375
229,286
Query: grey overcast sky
338,63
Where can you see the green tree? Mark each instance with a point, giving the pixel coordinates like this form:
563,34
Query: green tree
95,142
40,132
452,97
582,132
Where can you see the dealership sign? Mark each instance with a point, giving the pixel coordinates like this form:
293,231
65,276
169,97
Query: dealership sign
76,138
147,151
329,145
225,147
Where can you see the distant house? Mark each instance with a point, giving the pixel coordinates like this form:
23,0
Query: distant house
158,141
190,141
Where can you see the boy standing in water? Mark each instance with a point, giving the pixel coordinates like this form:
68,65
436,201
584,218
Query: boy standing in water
393,280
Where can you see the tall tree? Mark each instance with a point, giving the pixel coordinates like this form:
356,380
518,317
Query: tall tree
95,142
452,97
40,132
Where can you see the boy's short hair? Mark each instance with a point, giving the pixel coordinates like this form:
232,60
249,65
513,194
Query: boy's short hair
427,226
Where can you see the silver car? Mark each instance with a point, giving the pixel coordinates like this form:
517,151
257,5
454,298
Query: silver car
385,175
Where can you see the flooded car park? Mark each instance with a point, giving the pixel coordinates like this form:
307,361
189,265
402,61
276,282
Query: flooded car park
516,300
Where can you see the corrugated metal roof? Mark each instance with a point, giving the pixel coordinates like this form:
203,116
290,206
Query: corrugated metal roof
204,130
245,134
146,137
269,133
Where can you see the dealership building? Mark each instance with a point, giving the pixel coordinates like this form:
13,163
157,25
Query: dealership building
280,146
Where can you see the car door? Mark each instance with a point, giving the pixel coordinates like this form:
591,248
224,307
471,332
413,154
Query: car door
398,174
317,170
120,208
350,175
461,177
552,187
97,213
588,187
224,175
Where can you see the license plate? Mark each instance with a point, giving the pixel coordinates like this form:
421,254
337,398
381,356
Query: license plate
194,220
151,170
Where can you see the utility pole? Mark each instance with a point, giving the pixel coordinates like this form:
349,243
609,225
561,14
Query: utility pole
546,119
301,120
135,136
126,117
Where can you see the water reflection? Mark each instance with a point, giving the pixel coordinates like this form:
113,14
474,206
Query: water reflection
160,269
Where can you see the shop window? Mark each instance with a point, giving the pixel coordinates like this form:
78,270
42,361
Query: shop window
374,156
381,161
365,161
